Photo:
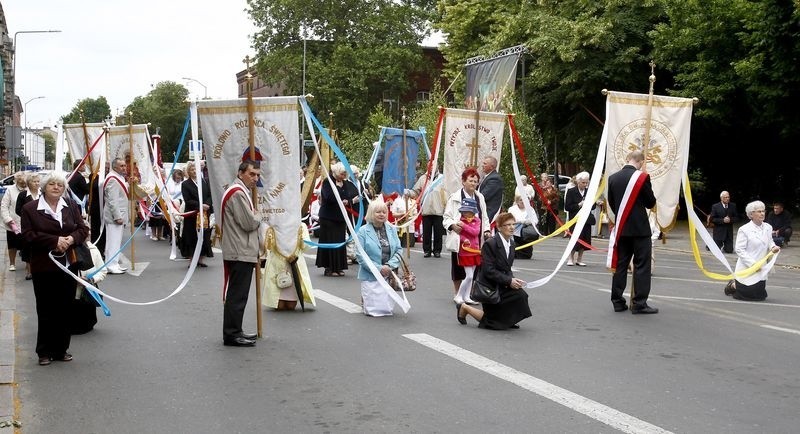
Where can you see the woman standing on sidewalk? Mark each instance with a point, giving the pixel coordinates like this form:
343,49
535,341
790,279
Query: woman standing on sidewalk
52,224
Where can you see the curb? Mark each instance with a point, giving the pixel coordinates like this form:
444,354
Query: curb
8,307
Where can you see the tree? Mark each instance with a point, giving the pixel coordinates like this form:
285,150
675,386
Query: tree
94,110
165,108
49,148
356,51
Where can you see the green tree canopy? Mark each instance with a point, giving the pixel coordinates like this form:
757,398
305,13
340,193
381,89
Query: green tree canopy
165,108
94,110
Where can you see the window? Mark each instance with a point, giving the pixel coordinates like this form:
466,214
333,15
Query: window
422,96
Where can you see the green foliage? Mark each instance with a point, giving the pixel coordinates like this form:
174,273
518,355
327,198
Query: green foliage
49,147
165,108
358,145
94,110
356,51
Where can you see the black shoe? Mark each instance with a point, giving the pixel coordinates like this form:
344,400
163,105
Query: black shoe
239,341
461,319
515,326
730,289
427,255
643,310
620,307
251,336
437,255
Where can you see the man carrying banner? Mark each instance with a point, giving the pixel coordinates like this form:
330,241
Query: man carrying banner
115,212
630,194
240,223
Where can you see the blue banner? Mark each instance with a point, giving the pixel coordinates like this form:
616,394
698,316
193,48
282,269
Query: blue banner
393,161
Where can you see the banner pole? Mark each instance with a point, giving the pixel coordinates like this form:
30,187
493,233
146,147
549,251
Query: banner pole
405,185
132,208
645,143
91,164
254,191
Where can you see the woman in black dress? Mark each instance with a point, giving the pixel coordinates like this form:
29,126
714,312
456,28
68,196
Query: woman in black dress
572,204
192,203
498,257
332,226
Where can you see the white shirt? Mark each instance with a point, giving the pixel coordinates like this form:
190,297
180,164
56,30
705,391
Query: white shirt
44,206
506,245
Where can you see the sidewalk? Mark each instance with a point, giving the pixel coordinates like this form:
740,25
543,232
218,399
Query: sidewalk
8,306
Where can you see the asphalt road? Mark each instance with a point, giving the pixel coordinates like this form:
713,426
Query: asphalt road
704,364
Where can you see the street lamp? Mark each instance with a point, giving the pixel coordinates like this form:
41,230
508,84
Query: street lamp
205,89
14,60
25,131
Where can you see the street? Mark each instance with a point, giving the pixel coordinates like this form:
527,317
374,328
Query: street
705,364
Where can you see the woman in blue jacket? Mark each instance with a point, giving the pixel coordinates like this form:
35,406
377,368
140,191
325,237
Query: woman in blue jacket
382,247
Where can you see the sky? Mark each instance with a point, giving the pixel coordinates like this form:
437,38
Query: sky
121,48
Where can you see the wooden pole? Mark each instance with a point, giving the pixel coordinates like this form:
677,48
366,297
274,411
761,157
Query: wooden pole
132,178
91,165
405,186
254,191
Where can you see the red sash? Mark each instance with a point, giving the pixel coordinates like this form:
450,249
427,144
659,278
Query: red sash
632,190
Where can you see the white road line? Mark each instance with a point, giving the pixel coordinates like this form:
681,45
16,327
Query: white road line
337,301
712,300
602,413
781,329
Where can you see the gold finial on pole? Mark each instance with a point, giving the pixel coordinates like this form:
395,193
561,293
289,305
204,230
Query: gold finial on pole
648,122
254,192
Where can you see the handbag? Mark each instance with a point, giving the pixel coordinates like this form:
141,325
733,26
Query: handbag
591,221
408,279
80,257
452,242
483,293
284,279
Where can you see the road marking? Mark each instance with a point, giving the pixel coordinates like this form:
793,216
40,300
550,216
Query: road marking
599,412
337,301
781,329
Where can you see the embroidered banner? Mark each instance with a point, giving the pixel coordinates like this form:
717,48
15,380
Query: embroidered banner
80,139
124,138
467,142
667,151
394,159
277,144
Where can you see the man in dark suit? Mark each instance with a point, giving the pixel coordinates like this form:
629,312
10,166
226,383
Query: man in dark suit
491,186
631,236
723,214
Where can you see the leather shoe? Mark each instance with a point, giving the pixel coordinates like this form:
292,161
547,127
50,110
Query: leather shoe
620,307
239,341
115,270
461,319
437,255
643,310
251,336
427,255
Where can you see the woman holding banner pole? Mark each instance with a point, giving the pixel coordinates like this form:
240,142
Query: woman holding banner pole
332,226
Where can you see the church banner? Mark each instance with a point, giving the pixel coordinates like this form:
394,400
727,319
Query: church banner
491,80
79,140
119,146
468,139
668,147
394,160
277,144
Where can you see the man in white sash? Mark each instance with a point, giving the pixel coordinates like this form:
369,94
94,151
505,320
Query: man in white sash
115,212
630,195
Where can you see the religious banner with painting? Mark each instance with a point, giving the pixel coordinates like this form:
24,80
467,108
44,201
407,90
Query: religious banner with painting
80,138
122,139
668,147
469,137
400,160
277,144
491,80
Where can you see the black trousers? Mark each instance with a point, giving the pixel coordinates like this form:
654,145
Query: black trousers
240,274
54,291
432,233
641,250
723,236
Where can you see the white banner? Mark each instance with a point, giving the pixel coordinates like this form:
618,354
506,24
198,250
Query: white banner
119,142
79,139
667,152
277,143
464,148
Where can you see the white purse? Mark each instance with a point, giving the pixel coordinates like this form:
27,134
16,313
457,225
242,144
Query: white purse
452,242
284,279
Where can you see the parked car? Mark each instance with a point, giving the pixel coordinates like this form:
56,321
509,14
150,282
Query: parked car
9,180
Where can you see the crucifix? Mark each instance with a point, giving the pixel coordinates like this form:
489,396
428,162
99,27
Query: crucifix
473,152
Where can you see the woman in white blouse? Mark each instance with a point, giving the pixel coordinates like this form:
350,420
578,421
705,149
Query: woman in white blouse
753,242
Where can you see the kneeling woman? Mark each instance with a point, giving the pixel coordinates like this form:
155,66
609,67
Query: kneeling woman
753,242
498,257
382,247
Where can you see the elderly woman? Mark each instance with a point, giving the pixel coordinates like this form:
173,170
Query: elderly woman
382,247
8,212
25,197
451,220
498,257
332,226
52,224
192,202
527,220
753,242
573,203
551,198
